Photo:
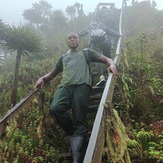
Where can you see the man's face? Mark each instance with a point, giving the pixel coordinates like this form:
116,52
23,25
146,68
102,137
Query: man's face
73,40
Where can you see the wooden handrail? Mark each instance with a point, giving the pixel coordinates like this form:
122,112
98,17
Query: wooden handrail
96,142
13,111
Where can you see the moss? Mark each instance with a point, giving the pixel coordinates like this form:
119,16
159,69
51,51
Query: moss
115,149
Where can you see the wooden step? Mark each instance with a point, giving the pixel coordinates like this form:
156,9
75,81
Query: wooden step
92,108
65,157
97,89
95,97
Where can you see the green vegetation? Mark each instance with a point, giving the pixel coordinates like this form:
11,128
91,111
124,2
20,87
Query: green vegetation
139,94
33,136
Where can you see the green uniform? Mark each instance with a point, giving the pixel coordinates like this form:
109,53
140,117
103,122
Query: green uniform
75,68
73,91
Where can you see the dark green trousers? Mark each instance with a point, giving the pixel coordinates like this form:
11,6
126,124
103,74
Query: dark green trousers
74,97
104,48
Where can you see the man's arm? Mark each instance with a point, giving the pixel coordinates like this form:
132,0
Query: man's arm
49,76
40,82
108,30
112,68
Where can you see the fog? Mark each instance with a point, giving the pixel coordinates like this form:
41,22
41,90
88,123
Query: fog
11,10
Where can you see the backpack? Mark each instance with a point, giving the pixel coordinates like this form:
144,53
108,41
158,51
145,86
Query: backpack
97,35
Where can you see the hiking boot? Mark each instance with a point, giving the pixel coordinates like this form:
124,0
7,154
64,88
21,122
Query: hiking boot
101,83
78,148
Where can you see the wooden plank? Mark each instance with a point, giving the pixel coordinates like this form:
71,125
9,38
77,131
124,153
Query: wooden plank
106,4
13,111
99,144
95,146
96,143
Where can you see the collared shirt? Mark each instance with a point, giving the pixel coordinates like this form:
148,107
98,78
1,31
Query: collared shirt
75,66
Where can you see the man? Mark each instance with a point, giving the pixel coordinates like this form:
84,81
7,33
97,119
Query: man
74,92
108,16
99,40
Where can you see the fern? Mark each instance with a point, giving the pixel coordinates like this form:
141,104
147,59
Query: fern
143,135
133,143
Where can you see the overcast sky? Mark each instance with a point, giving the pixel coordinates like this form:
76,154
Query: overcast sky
11,10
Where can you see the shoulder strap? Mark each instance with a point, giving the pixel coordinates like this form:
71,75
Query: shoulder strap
84,52
88,63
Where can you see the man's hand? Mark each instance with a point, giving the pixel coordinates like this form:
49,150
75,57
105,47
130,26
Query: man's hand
113,69
39,83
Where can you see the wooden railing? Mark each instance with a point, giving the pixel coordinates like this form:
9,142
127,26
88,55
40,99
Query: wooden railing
96,142
97,138
23,104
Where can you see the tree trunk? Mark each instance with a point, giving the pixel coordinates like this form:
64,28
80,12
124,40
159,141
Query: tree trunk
15,83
